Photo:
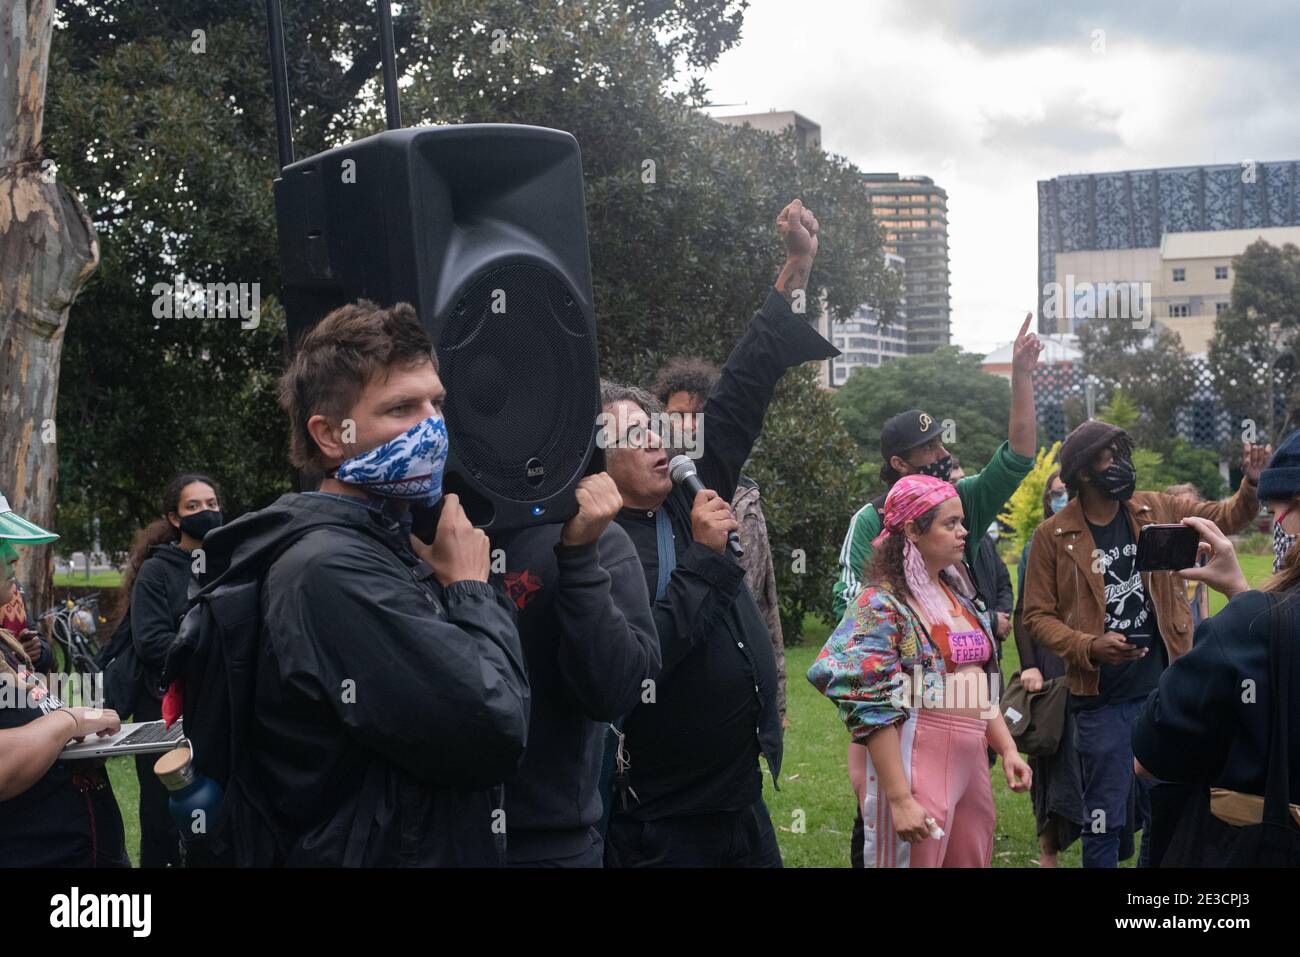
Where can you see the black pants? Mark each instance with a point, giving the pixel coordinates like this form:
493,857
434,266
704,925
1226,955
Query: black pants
593,856
743,838
159,839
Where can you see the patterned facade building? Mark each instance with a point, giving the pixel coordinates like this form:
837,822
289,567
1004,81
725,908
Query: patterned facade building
1134,209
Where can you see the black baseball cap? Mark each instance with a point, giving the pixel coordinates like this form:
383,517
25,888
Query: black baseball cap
906,431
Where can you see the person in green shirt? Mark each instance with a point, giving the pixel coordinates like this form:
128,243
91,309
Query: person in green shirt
910,443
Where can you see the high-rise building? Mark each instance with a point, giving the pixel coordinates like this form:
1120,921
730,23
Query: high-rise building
864,340
913,215
1103,234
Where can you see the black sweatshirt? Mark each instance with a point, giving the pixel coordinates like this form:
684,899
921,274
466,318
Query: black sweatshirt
589,642
695,749
1208,718
158,602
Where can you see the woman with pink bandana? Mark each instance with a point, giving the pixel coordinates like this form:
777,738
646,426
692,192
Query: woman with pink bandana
915,678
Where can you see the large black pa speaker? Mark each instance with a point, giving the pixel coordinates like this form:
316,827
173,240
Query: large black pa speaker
482,228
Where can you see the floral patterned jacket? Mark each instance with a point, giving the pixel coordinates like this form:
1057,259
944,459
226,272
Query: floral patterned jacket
880,661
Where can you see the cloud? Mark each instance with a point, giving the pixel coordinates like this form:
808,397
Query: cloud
988,98
1269,28
1065,124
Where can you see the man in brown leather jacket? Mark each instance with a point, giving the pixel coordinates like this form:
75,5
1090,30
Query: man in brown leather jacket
1116,628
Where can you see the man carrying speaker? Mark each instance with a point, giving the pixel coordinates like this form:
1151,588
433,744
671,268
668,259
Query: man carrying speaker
391,697
591,649
689,793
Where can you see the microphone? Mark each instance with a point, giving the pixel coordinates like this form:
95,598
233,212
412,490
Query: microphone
682,471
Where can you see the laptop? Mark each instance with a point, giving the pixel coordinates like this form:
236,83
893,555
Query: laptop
147,737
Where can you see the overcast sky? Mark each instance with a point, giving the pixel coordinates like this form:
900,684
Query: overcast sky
989,97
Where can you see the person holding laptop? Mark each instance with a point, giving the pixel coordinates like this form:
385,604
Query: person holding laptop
53,813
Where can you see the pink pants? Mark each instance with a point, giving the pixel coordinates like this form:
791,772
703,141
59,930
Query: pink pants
946,761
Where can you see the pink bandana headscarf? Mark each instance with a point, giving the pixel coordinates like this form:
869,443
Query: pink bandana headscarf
910,498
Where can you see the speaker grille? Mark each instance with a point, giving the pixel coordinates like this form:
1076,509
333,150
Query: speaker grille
516,355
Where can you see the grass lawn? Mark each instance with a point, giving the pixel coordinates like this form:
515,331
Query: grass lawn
814,780
815,785
813,811
78,579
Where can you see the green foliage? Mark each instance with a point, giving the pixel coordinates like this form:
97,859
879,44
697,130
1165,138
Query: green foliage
1120,410
1147,364
1025,507
1150,473
948,384
1258,330
174,152
1175,462
1254,543
807,467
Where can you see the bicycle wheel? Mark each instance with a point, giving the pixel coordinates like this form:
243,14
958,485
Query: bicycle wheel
61,635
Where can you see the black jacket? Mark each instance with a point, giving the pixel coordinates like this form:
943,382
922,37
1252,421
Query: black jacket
695,748
1208,718
158,601
589,640
389,709
992,580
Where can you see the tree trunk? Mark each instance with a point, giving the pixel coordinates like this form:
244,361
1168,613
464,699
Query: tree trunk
48,248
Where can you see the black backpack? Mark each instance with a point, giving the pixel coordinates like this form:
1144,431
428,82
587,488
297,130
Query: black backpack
121,669
215,657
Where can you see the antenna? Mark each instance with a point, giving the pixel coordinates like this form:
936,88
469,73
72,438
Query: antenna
280,75
392,104
279,82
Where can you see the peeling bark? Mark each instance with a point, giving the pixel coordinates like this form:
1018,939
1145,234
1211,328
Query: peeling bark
48,249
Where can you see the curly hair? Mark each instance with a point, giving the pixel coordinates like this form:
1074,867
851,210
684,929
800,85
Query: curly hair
695,377
886,564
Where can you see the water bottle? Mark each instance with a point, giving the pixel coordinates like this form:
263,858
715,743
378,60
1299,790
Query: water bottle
195,798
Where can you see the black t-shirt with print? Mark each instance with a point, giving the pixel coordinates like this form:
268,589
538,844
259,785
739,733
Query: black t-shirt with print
1130,613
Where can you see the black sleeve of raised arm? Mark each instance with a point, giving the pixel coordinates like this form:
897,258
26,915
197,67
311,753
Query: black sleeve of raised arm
775,341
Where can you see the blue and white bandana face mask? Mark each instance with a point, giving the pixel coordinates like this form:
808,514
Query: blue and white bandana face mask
408,467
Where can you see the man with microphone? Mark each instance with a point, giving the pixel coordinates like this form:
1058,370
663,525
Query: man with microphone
688,788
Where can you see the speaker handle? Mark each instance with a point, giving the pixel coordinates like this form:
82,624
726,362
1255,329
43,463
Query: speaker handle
596,464
279,82
280,75
392,101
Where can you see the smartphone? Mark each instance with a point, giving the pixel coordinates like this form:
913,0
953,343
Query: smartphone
1163,548
1141,640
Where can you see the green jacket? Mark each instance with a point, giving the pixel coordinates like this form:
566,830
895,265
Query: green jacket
982,496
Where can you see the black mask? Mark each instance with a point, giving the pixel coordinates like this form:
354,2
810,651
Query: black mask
197,524
939,468
1118,481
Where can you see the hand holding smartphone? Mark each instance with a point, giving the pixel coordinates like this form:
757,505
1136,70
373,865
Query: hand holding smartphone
1166,548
